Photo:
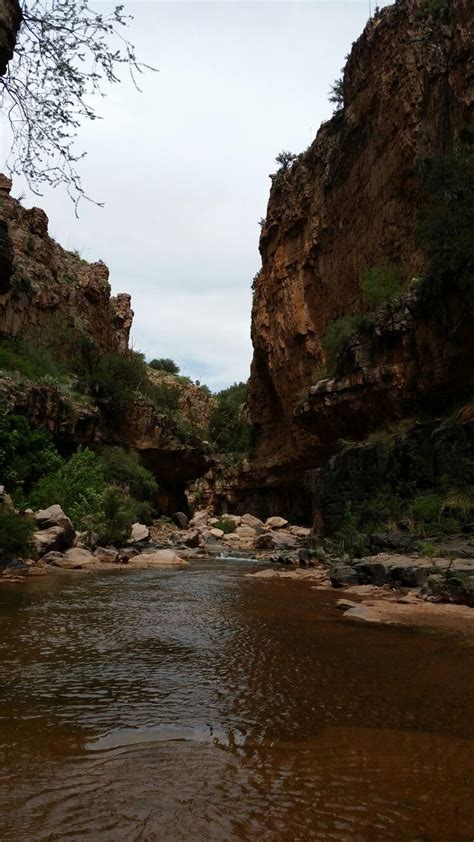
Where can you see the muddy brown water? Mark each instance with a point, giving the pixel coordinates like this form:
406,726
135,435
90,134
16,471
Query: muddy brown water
200,705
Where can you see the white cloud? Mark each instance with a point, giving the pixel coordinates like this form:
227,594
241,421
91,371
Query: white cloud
183,167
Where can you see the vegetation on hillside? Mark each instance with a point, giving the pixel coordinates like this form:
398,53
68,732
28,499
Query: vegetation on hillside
230,430
164,364
103,492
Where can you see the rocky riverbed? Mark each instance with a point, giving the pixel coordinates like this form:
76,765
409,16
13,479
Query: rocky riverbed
402,588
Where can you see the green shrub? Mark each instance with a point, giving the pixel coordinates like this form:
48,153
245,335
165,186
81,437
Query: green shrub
112,522
381,283
336,94
164,397
25,454
124,469
164,364
78,487
115,382
225,525
15,535
337,334
426,509
426,549
349,537
445,227
229,429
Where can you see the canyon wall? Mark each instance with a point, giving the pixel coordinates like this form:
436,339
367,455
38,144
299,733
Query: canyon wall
349,202
38,279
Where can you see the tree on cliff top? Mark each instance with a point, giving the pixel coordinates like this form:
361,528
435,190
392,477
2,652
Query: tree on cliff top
65,52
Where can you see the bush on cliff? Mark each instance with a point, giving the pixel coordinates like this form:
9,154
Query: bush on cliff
164,364
15,535
381,283
337,333
446,222
229,429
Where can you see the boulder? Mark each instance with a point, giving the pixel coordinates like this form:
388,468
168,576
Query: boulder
251,520
78,555
126,554
299,531
217,533
199,517
264,542
236,520
105,555
371,572
51,557
180,519
282,538
50,540
192,539
246,532
276,522
139,532
54,516
342,574
55,532
162,558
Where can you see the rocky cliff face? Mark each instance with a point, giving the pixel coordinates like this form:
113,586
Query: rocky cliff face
39,278
10,19
349,202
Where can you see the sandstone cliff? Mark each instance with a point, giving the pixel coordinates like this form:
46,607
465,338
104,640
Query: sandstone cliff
39,278
350,202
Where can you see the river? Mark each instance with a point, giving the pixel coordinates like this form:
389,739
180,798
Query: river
201,705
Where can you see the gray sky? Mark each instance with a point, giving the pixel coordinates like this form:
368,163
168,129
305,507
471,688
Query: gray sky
183,167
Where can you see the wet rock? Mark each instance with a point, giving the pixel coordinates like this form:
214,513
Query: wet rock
126,554
192,539
139,532
106,555
342,574
346,604
283,539
161,558
264,542
180,519
78,555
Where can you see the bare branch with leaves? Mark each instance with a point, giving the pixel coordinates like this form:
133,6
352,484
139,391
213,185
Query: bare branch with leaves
65,54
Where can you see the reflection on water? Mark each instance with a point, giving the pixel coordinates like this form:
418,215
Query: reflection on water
199,705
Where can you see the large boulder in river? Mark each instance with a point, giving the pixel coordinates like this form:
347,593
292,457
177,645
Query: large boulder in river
160,558
192,539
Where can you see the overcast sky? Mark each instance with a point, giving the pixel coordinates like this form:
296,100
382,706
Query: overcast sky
183,167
